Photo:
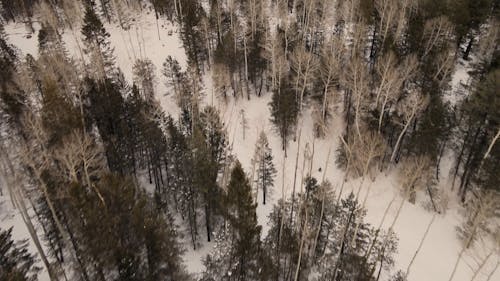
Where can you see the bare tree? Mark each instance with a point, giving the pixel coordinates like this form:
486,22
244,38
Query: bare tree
488,151
80,154
365,152
295,175
388,10
304,65
255,15
412,106
437,32
15,185
414,173
421,243
329,71
485,203
497,264
482,263
221,79
243,122
391,79
392,15
356,80
276,58
36,156
305,233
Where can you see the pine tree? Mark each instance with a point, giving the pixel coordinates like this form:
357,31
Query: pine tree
228,54
284,111
16,263
140,242
265,166
282,241
144,77
59,115
11,95
468,16
181,179
106,9
257,64
174,76
209,150
348,261
17,10
107,108
241,214
97,44
191,33
480,123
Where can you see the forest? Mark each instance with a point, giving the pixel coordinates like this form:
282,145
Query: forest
257,140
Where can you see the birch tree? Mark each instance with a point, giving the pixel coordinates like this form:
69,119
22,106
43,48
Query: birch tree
13,181
304,65
366,151
79,154
391,79
485,203
413,177
355,81
329,70
413,105
276,59
437,32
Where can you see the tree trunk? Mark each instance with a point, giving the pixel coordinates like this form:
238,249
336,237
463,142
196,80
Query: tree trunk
295,177
320,225
207,219
246,66
469,48
492,143
382,112
475,225
323,109
440,156
34,236
342,247
398,142
420,244
304,231
459,160
494,270
372,244
467,167
483,263
372,47
347,103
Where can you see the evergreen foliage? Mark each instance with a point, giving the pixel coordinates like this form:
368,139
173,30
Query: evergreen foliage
284,111
16,263
103,170
265,166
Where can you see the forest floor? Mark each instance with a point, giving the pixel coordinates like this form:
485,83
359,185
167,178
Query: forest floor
156,40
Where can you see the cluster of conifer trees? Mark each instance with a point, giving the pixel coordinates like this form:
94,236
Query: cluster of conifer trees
78,140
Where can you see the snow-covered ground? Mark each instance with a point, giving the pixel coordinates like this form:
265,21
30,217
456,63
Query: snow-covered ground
437,256
10,217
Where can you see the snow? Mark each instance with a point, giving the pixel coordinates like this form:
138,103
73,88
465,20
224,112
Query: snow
11,217
460,79
438,254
